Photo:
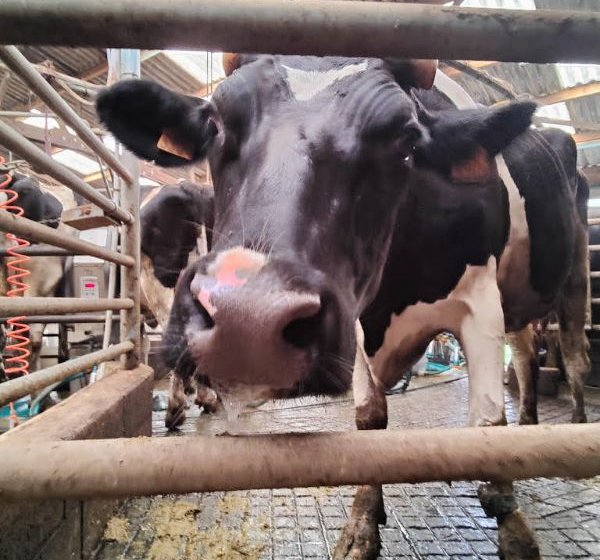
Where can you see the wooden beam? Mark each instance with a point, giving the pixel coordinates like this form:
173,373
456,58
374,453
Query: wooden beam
586,138
568,94
477,64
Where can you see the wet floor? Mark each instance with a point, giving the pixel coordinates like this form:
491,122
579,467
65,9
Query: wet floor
423,521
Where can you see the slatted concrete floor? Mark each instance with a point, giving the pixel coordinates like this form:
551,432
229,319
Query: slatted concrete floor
424,521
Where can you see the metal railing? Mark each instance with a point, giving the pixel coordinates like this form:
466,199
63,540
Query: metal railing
323,27
45,309
82,468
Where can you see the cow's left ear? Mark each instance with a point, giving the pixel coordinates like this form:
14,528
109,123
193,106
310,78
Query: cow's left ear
158,124
466,141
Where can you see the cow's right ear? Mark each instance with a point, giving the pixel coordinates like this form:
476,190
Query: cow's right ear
158,124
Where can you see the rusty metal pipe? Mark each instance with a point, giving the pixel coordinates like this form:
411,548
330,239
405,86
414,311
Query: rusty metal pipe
14,307
63,319
38,250
145,466
41,161
316,27
28,384
28,73
39,232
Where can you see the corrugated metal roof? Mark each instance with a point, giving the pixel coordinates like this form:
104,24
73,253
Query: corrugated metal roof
186,72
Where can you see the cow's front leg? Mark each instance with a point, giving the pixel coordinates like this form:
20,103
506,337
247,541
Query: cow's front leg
360,537
482,337
177,402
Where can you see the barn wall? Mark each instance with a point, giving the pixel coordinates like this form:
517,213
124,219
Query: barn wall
120,405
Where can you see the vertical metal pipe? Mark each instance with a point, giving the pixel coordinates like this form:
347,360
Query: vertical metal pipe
125,64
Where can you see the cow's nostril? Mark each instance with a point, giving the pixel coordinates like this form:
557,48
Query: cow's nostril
206,316
303,332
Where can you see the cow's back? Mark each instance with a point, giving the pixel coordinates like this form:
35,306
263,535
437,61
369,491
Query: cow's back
542,167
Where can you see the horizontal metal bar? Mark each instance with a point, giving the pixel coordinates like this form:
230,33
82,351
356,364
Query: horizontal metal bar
594,248
593,221
39,232
317,27
50,305
63,319
594,274
28,384
39,250
595,301
26,71
41,161
120,467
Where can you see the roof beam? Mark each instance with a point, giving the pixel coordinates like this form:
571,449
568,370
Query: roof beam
586,138
476,64
569,94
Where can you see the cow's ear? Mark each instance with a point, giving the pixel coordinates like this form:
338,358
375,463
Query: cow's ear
158,124
466,141
409,73
503,124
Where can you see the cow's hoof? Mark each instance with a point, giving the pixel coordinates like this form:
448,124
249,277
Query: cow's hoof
527,419
175,417
359,539
516,540
208,400
578,418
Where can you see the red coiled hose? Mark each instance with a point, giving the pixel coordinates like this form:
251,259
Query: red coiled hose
18,332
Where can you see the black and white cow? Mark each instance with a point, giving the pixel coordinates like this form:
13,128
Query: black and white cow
171,217
340,197
46,274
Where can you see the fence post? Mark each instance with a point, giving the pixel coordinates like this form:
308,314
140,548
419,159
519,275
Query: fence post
125,64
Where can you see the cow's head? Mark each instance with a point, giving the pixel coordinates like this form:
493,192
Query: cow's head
309,156
169,224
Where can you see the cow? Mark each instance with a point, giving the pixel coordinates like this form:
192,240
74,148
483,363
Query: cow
326,170
46,274
170,219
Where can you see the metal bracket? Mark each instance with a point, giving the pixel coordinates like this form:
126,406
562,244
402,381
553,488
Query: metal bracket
9,166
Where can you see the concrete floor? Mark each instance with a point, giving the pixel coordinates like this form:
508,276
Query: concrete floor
424,521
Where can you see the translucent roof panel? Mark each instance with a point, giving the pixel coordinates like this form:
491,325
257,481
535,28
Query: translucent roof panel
204,66
78,162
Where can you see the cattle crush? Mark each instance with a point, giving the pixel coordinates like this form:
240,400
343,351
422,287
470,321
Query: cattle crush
45,468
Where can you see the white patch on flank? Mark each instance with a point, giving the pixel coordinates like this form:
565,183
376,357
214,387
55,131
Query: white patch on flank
306,84
517,250
473,312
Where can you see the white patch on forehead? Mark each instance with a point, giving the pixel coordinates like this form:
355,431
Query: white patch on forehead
306,84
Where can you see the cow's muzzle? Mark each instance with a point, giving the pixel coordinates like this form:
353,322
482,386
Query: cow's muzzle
260,332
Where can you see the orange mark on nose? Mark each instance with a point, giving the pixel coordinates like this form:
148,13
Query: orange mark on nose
232,269
230,265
